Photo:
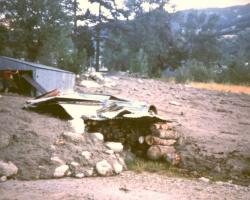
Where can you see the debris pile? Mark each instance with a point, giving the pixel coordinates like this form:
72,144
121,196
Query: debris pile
93,79
37,146
134,125
89,153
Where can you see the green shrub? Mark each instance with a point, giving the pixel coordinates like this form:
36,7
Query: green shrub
236,73
195,71
139,64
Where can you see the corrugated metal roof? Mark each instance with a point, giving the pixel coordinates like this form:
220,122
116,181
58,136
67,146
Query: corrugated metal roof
35,65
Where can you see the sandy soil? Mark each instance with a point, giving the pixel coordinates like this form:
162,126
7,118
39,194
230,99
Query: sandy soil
215,125
215,128
127,186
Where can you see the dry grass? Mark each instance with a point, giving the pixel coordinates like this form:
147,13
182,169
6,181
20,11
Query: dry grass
222,87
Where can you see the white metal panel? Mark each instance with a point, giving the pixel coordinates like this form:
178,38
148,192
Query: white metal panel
50,80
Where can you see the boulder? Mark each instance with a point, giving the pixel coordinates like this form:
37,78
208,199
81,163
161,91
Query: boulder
203,179
103,168
97,136
115,146
109,151
7,169
79,175
74,164
61,171
73,137
117,167
78,125
3,179
89,172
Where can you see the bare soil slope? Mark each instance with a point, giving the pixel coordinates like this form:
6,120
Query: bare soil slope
215,126
215,131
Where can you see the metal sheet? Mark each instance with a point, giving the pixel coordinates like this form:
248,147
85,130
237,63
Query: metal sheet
77,111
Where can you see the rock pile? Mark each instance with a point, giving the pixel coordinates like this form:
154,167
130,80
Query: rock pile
90,156
93,79
7,170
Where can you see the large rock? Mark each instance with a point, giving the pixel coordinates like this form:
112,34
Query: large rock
78,125
97,136
3,179
103,168
7,169
73,137
115,146
117,167
61,171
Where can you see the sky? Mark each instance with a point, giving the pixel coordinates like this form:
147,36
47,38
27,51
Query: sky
181,4
187,4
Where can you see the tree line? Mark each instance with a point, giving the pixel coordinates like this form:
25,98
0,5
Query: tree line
140,36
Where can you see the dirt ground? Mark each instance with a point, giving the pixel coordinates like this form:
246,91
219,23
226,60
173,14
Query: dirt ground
127,186
214,125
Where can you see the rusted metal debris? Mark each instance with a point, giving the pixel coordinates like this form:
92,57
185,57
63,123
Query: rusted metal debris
135,124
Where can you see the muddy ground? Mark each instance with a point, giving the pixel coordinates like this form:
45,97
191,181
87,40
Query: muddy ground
215,128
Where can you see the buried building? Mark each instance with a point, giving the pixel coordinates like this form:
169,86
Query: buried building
35,78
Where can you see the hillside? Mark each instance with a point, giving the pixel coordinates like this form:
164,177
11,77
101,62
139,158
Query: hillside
232,20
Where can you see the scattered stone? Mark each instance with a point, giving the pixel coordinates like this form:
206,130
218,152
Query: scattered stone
8,169
73,137
219,183
117,168
90,84
98,136
86,154
61,171
59,141
53,147
203,179
69,173
89,172
74,164
57,160
140,81
4,140
115,146
80,175
103,168
109,151
174,103
3,178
